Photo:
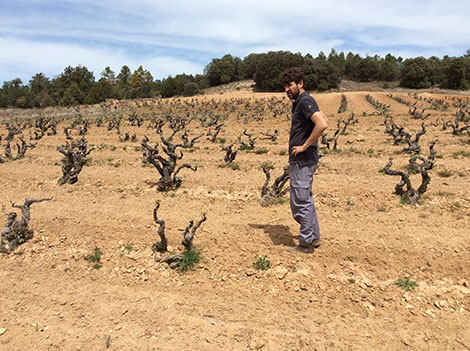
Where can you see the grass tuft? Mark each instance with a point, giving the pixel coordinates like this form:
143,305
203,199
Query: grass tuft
406,284
95,256
190,259
267,165
262,263
261,151
444,174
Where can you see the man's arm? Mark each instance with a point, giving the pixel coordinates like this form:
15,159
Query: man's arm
321,123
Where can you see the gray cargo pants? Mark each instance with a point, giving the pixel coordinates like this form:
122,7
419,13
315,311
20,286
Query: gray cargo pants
301,202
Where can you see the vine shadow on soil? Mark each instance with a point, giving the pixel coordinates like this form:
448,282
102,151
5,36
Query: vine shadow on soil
279,234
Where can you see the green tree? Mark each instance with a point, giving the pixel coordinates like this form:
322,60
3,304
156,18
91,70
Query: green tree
270,65
15,94
436,65
40,88
368,69
201,80
416,73
169,87
72,95
101,90
186,85
109,75
320,74
389,69
123,79
140,84
338,60
83,80
224,70
456,73
351,68
249,65
190,89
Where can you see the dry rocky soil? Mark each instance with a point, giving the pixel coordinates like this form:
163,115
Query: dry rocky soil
344,296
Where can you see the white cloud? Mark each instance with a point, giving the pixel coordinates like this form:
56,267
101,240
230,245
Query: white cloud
31,57
183,36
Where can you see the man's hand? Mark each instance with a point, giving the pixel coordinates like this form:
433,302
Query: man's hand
297,150
321,123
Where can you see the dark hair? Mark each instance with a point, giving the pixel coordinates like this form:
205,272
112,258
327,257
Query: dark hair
291,75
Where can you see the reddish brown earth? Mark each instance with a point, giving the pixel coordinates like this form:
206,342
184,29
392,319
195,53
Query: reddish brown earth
343,297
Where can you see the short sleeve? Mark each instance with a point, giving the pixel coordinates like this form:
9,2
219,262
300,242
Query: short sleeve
309,107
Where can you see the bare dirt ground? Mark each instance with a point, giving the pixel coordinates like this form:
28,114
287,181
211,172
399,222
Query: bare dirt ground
343,297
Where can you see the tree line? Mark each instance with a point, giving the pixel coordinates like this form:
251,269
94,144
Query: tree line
77,85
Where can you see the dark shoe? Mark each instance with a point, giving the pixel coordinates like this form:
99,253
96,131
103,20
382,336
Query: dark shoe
316,243
302,249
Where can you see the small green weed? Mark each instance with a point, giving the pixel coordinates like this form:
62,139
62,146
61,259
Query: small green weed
444,193
349,203
382,208
355,151
262,263
233,165
406,284
404,200
190,259
282,152
246,148
128,247
444,174
461,153
352,280
267,165
261,151
95,256
222,140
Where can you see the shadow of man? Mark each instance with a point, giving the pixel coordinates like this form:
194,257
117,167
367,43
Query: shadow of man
279,234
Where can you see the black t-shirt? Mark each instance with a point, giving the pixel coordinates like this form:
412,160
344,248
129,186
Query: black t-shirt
301,127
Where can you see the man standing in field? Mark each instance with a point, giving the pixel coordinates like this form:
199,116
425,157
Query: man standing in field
307,125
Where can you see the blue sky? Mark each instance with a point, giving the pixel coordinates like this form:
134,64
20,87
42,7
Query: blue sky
172,37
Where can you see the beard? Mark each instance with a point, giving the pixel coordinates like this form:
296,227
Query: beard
293,94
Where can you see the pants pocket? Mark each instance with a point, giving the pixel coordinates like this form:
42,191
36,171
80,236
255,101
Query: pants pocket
301,190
